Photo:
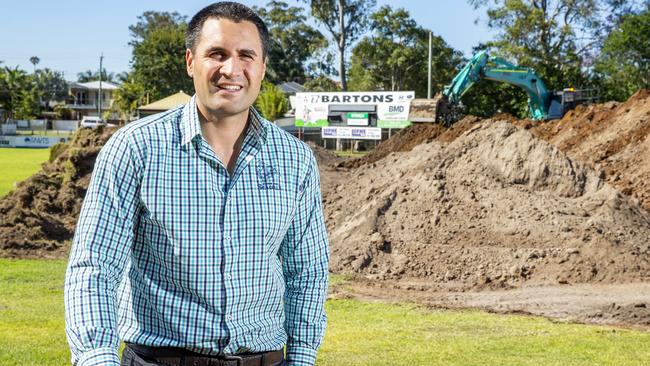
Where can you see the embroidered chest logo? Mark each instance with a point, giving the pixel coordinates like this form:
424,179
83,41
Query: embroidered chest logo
267,176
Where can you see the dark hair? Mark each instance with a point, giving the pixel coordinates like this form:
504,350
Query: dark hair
227,10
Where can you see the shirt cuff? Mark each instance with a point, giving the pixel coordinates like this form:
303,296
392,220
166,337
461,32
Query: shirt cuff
300,355
100,356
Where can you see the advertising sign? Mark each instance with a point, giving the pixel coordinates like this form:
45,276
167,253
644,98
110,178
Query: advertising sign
357,119
356,133
31,141
392,108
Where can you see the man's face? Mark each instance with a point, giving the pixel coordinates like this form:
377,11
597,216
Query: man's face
227,66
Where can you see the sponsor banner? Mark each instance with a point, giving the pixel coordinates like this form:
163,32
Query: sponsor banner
393,124
65,125
355,133
392,107
31,141
357,119
8,128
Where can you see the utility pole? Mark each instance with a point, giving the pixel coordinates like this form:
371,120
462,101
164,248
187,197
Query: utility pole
99,96
429,77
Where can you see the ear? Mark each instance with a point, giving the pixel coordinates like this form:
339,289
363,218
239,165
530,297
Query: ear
266,60
189,62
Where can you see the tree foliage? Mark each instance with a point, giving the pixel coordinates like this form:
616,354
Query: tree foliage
51,84
395,56
623,66
293,41
159,54
272,103
346,21
90,75
19,94
321,83
128,98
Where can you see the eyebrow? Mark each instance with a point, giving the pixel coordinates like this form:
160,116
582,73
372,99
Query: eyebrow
243,51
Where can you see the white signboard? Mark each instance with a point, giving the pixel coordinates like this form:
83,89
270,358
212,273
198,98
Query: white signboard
392,108
31,141
355,133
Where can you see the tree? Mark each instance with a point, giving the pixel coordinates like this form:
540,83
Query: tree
293,42
159,54
557,38
271,102
18,95
346,21
89,75
128,97
395,55
623,66
322,84
34,60
51,84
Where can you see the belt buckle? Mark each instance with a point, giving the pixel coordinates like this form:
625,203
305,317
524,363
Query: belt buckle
239,359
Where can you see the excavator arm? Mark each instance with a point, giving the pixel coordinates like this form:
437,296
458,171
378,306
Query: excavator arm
483,66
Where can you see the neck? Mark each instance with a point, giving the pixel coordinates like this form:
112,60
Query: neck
225,129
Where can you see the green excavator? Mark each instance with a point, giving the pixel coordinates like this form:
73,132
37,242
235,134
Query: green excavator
542,103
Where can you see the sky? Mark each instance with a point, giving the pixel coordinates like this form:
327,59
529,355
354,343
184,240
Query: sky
70,35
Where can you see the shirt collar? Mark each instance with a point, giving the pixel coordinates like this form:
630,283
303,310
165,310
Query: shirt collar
191,125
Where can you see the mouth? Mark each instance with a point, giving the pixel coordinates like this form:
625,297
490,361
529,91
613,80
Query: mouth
229,88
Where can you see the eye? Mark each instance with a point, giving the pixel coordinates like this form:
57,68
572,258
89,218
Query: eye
217,55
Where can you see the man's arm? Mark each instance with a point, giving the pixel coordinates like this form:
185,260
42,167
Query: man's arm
100,251
305,264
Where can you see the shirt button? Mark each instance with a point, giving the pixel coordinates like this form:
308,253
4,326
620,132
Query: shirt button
227,237
228,317
229,277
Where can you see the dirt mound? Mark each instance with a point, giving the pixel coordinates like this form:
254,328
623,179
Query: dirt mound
324,157
613,137
407,138
495,208
38,218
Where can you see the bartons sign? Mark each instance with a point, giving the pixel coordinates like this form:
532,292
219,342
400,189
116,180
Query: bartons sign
385,109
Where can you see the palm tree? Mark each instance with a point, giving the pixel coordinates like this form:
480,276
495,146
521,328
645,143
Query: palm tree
34,60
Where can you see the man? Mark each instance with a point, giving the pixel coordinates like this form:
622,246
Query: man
201,239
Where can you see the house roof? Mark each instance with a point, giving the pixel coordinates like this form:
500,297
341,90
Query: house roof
167,103
291,87
94,85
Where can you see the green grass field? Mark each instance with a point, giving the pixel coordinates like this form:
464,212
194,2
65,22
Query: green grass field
359,333
18,164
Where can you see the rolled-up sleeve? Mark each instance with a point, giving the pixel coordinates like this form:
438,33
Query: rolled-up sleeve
305,261
100,252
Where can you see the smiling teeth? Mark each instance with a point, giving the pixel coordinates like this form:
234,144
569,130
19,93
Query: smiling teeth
230,87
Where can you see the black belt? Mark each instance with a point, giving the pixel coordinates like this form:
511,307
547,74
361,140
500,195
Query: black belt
182,357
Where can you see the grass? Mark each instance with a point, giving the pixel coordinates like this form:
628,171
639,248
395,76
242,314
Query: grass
359,332
17,164
350,153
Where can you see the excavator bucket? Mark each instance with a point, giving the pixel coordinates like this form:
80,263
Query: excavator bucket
437,109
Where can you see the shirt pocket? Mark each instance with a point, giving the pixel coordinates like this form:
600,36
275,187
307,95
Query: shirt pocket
276,216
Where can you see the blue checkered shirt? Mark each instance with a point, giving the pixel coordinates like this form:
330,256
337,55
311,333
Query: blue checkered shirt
171,250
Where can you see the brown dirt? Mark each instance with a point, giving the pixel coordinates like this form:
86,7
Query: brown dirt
406,139
38,218
613,137
496,208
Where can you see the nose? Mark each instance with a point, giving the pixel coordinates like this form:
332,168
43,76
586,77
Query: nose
231,67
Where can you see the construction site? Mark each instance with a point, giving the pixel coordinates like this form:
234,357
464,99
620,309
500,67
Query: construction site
507,215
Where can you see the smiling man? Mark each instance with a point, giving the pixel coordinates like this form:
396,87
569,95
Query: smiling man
201,239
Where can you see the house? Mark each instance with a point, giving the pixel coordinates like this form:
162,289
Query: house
83,101
164,104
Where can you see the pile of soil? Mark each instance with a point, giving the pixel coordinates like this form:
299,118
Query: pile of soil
613,137
407,138
495,208
38,218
